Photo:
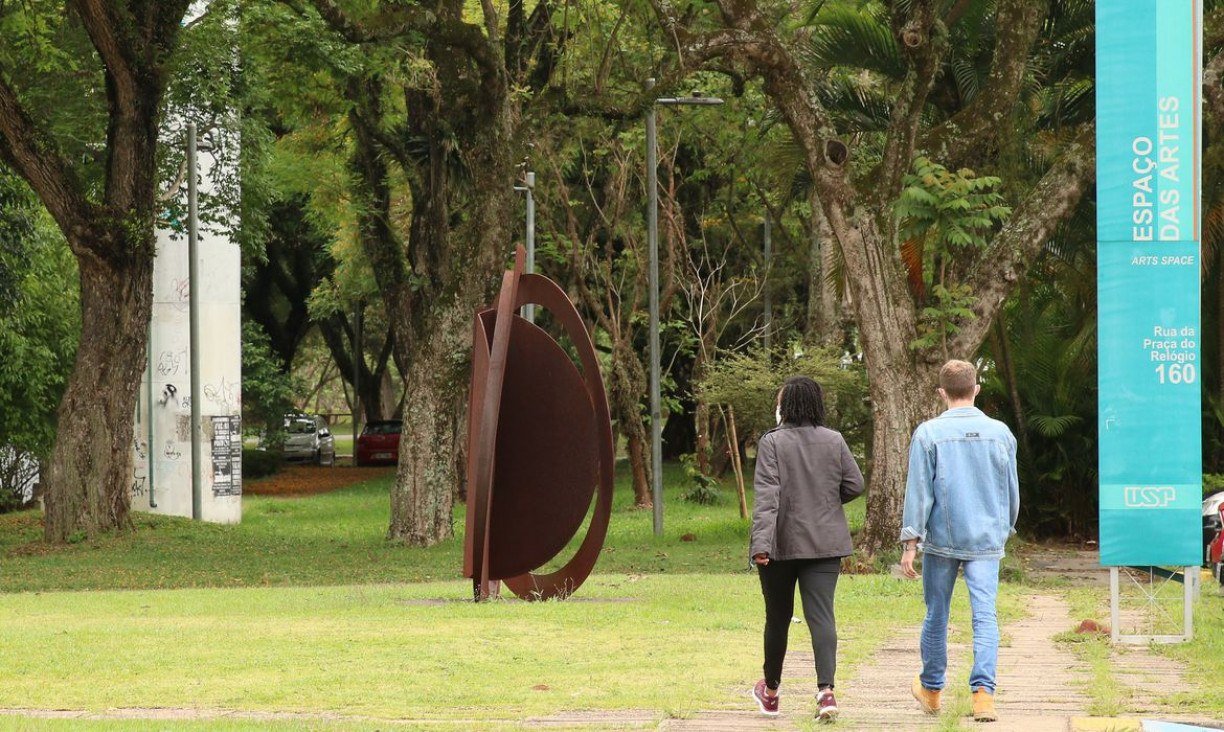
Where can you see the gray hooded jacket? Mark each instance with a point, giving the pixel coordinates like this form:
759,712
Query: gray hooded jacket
803,476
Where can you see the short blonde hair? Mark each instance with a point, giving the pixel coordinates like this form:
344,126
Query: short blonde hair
957,379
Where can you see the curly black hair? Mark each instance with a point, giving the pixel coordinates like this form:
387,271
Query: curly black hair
802,402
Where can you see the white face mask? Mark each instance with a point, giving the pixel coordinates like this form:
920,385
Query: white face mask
778,414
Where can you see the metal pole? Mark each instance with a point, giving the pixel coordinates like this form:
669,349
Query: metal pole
765,291
1115,613
149,418
1189,584
529,310
652,236
193,237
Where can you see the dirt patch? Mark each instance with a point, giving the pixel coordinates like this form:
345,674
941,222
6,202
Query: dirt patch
307,480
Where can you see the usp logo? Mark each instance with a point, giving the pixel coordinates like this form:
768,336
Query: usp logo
1149,496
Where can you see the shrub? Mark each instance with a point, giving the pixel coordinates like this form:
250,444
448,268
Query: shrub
749,383
39,326
1212,483
703,489
19,472
260,463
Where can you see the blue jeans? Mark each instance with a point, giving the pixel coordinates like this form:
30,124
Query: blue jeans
938,579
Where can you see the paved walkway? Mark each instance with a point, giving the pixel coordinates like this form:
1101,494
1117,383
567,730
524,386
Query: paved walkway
1040,693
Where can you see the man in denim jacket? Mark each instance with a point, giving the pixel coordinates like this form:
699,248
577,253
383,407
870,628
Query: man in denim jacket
961,502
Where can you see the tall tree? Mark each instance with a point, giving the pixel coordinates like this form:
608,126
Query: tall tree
105,202
857,195
434,97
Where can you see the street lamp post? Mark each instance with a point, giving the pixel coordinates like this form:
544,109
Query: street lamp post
528,188
652,237
193,323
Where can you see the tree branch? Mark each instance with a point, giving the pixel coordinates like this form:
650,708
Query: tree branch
1022,238
109,26
412,18
980,123
36,157
1213,88
923,41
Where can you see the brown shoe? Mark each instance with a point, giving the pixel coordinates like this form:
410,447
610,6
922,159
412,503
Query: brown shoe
983,706
928,699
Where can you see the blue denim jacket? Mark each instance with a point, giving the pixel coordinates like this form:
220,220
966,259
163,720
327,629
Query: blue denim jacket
963,495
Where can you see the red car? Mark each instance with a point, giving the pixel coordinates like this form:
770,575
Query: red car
1215,550
378,443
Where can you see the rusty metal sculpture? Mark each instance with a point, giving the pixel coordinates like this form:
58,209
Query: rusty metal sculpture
539,442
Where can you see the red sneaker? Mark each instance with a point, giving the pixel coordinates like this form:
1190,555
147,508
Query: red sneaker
767,704
826,706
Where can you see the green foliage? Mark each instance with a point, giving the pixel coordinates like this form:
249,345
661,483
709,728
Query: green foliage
39,319
260,463
749,383
1212,483
941,319
949,211
267,391
946,218
39,328
703,489
1048,339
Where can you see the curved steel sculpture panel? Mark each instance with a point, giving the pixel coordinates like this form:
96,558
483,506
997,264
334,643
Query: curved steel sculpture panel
539,444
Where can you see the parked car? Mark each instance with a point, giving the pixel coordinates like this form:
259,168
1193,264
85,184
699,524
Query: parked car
1211,520
307,438
379,443
1215,550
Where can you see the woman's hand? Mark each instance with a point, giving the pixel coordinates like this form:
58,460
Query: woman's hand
907,561
761,559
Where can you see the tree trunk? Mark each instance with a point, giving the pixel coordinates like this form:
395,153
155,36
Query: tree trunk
640,468
901,400
626,385
822,320
425,483
388,396
703,425
88,481
901,382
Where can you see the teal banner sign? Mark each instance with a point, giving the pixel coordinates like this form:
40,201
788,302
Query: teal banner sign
1148,86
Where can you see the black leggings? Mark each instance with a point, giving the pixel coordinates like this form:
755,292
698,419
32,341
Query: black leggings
817,579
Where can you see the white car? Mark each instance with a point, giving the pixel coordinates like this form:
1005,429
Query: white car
307,438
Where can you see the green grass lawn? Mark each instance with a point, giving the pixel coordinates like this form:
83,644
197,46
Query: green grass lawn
305,608
1205,656
340,538
672,644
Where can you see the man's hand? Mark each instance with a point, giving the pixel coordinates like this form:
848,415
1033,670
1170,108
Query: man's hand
907,561
761,559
